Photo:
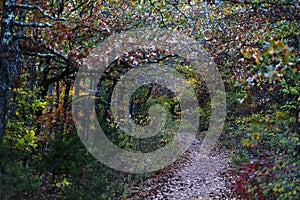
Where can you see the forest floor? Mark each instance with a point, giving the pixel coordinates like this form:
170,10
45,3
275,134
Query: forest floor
193,176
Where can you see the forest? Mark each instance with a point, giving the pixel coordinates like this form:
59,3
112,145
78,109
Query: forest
243,105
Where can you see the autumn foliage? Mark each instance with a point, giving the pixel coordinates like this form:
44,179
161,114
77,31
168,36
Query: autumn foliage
255,45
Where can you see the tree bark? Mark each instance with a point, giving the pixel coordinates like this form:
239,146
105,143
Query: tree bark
7,61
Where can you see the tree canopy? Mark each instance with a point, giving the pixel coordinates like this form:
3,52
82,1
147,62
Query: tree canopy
254,43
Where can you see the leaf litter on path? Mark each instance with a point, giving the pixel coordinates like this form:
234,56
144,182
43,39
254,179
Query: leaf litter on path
193,176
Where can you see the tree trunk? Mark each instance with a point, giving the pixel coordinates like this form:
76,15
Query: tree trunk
7,61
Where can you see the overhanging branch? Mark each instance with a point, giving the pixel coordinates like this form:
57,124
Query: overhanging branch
31,24
32,7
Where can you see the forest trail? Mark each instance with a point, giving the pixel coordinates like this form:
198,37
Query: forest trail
194,176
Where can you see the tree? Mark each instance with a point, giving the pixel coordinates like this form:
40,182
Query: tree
7,60
17,42
254,43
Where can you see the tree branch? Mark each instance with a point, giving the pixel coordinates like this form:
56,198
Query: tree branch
31,7
41,55
52,52
32,24
262,2
64,57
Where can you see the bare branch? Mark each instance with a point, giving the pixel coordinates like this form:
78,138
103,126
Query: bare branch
41,55
295,4
52,52
64,57
31,7
32,24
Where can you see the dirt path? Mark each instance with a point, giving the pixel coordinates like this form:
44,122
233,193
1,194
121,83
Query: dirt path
192,177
